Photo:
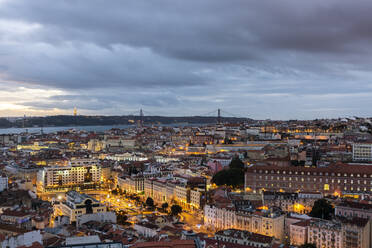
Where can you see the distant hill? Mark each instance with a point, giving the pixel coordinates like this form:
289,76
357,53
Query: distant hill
84,120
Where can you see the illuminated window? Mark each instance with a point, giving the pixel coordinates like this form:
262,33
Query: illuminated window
326,186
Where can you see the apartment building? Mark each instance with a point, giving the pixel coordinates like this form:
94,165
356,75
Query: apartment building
225,216
325,234
362,151
356,232
175,190
341,232
300,203
299,232
62,178
132,185
334,179
354,209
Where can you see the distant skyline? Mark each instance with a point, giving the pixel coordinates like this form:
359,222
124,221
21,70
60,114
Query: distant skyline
257,59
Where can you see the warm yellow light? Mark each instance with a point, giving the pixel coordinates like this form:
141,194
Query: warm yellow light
326,186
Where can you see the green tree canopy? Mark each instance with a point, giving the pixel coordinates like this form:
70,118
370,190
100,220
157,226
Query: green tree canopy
121,217
236,163
149,202
164,206
176,210
231,177
322,209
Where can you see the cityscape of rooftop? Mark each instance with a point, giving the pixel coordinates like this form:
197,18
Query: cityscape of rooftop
185,124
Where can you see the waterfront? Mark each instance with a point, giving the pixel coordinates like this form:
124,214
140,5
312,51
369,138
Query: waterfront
99,128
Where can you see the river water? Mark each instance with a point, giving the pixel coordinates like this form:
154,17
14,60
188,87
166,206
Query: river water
85,128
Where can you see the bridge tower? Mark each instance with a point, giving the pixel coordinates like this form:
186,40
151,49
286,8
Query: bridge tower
140,122
218,116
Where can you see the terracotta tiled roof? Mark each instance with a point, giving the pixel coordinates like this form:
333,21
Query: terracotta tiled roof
358,205
302,223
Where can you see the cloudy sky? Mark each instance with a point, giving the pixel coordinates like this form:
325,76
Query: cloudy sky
260,59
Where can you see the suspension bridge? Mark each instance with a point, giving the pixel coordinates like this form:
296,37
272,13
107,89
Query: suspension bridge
218,114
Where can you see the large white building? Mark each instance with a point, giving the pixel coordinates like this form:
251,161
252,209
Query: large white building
338,233
362,151
326,234
225,216
180,190
77,204
62,178
133,185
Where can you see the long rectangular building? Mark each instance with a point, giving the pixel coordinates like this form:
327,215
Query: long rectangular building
63,178
334,179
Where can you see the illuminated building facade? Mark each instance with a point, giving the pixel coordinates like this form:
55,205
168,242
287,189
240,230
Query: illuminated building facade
63,178
189,194
133,185
301,203
225,216
334,179
77,204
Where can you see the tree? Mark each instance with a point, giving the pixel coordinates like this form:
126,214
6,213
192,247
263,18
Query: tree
164,206
307,245
176,210
149,202
322,209
236,163
231,177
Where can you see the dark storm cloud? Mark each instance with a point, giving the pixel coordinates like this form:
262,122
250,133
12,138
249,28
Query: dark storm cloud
192,54
203,30
91,66
96,101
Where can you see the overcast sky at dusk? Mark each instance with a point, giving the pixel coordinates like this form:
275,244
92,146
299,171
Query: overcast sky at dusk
259,59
